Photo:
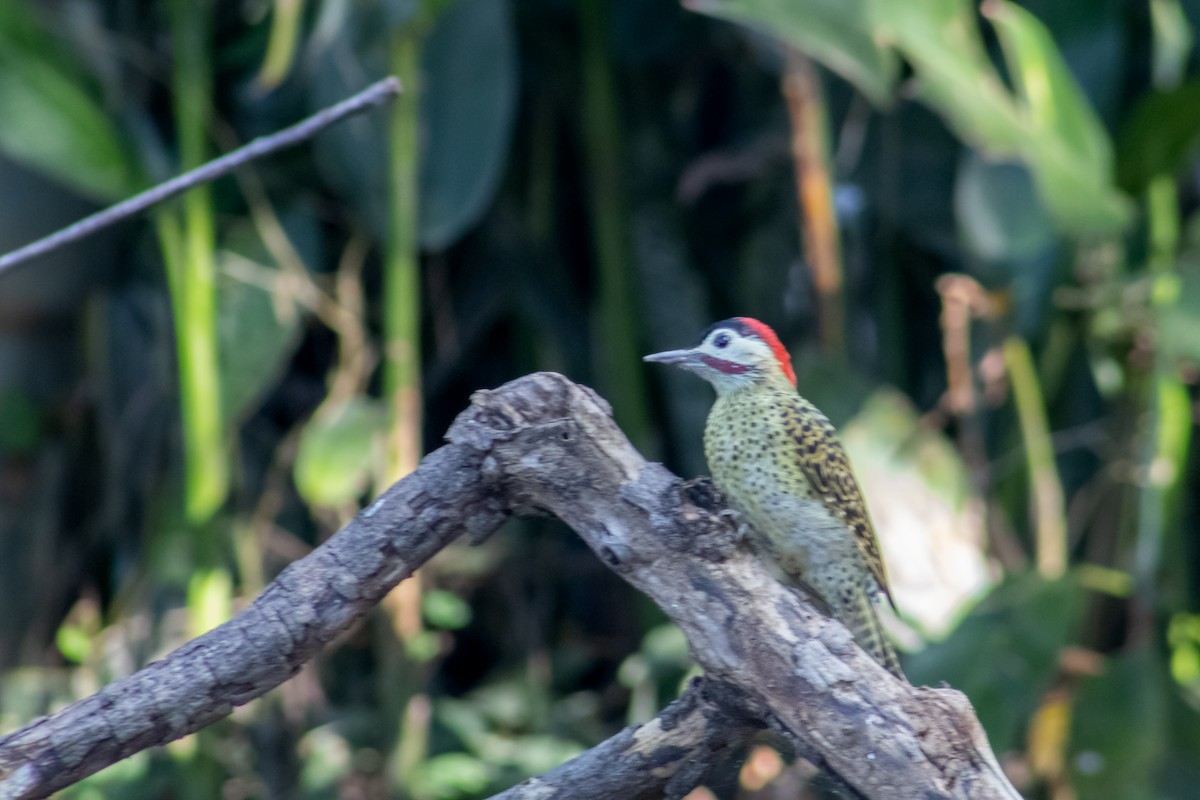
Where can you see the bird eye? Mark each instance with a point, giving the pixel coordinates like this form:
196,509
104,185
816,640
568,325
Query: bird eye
721,340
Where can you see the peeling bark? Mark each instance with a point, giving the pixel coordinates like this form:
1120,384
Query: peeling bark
537,444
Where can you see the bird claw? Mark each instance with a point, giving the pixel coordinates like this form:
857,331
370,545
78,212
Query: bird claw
743,530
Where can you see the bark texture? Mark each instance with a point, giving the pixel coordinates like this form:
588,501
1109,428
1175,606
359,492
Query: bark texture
545,444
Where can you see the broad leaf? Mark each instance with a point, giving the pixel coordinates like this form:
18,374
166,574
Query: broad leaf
257,329
838,33
1119,729
1068,148
999,213
1159,136
338,451
52,122
468,105
940,38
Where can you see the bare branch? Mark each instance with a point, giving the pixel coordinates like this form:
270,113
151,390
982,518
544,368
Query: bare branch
544,443
375,94
666,757
309,604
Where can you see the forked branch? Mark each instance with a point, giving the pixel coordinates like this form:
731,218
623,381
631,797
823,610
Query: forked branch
543,443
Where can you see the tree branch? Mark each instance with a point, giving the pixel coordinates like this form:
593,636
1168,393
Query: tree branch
374,95
544,443
666,757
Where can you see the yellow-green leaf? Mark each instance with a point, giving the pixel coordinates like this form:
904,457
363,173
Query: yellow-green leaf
337,452
841,35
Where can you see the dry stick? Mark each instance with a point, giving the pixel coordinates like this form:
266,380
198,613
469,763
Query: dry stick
814,191
542,444
374,95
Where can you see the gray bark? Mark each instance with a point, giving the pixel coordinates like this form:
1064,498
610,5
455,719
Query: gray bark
539,444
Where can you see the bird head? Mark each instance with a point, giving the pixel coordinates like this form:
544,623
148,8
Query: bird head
735,354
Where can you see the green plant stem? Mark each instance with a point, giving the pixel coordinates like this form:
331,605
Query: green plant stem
413,746
1169,415
401,279
281,45
616,341
1045,486
189,245
402,387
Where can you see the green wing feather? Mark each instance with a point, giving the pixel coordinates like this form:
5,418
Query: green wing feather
824,463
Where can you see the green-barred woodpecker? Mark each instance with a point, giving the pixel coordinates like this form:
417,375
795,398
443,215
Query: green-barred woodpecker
780,464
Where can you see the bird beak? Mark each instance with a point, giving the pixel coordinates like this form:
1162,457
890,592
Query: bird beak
681,358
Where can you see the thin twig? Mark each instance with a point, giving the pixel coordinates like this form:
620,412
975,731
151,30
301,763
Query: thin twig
376,94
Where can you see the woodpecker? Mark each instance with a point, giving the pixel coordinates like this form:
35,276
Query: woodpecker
780,464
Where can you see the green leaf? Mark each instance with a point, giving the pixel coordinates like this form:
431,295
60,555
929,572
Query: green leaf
838,33
1047,92
450,776
21,424
490,722
258,329
1180,333
1119,729
1159,136
1183,637
1179,771
446,610
52,122
423,646
326,757
533,755
337,452
1049,124
999,213
73,642
940,38
468,101
210,599
1068,148
1022,626
352,154
1173,39
468,105
1083,202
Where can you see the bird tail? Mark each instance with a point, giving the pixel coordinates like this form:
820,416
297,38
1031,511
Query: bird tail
868,632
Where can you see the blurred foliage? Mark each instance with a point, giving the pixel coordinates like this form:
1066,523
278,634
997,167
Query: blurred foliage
566,186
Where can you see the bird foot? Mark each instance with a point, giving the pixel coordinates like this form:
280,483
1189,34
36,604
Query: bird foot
743,530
